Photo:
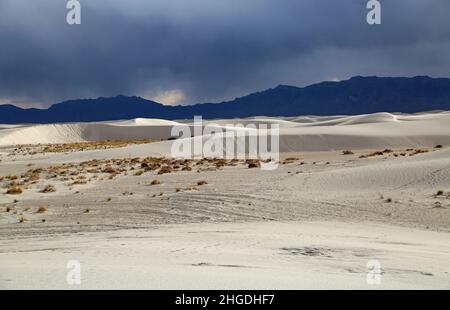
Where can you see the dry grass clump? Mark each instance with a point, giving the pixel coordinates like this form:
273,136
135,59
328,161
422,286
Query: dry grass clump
42,209
439,146
79,182
347,152
254,165
292,159
203,182
289,160
219,163
49,189
110,170
192,188
418,151
14,190
92,145
139,173
376,153
442,193
22,219
155,182
165,169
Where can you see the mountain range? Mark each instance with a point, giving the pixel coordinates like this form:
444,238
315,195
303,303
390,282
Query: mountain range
358,95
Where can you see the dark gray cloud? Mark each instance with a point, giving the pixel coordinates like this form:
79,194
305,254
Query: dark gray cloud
210,50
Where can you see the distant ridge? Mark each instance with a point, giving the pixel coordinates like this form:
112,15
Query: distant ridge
358,95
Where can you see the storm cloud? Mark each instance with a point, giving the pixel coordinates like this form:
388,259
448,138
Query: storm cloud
190,51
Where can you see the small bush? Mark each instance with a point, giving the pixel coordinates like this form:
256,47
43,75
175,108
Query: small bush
438,146
110,170
255,164
440,192
49,189
347,152
14,190
155,182
203,182
42,209
165,169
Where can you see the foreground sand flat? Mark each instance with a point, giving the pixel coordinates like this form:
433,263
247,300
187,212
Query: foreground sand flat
278,255
314,222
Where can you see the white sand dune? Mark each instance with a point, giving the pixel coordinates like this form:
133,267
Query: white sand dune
296,134
313,223
78,132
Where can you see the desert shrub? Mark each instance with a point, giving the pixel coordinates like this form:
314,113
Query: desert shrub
203,182
220,163
14,190
49,189
42,209
418,151
155,182
165,169
254,165
440,192
347,152
110,170
79,182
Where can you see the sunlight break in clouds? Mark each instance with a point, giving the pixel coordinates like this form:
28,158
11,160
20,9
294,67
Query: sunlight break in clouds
170,97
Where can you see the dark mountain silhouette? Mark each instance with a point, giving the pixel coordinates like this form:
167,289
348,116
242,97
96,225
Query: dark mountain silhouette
358,95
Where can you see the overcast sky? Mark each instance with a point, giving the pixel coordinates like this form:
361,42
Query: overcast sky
192,51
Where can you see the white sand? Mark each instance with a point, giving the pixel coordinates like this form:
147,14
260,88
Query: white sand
316,134
331,212
232,256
